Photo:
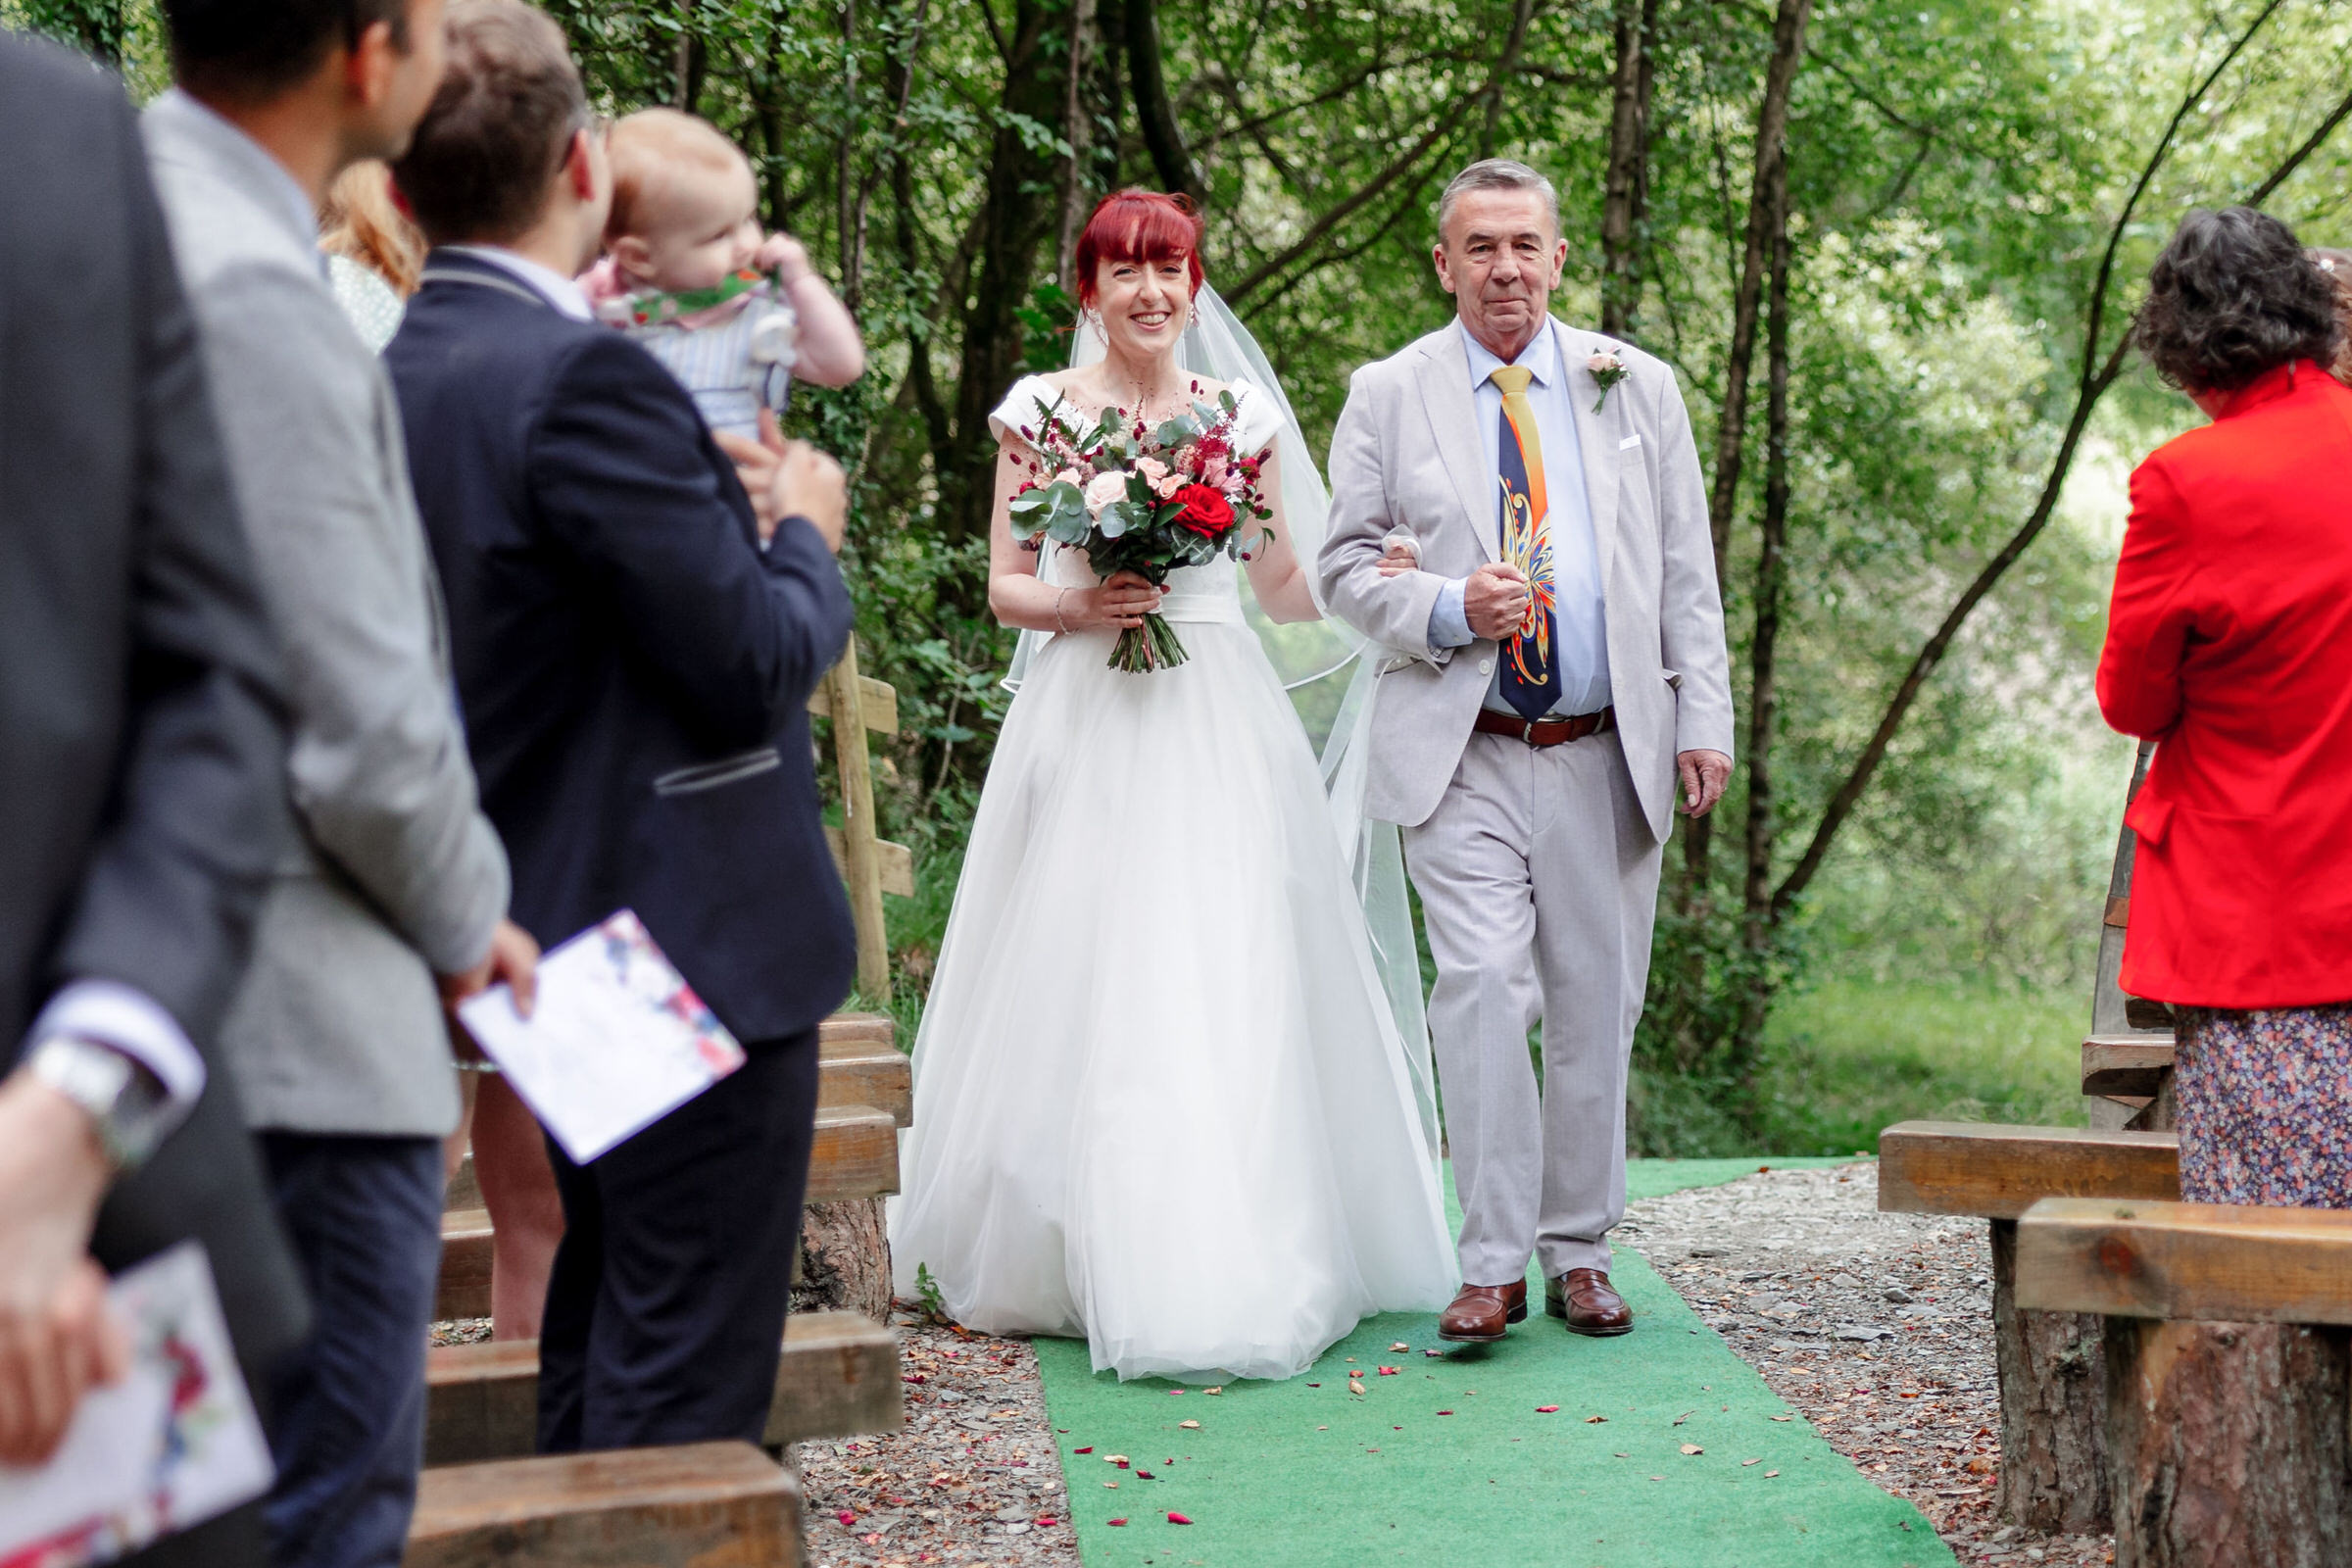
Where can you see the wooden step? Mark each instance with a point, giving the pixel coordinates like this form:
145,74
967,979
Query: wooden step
839,1378
465,1287
2187,1261
1997,1171
866,1068
2126,1066
858,1063
855,1155
699,1505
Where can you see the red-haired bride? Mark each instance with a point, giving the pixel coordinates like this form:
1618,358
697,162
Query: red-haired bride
1172,1088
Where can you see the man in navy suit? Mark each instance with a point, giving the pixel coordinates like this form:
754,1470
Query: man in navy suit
636,633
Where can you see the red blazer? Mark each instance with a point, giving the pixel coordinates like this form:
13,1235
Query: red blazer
2229,642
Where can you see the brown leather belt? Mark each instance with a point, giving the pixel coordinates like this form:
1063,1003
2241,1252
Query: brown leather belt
1545,731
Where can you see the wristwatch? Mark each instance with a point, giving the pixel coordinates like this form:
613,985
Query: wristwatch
126,1104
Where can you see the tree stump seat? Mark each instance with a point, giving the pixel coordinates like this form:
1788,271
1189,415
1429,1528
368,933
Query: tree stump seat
708,1505
839,1378
2229,1430
2053,1475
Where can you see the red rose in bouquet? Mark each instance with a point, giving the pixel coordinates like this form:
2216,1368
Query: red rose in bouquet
1206,511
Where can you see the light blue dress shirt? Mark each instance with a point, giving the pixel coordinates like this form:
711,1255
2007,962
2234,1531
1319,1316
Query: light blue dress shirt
1579,629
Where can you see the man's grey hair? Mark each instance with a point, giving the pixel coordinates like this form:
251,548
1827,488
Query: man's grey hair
1498,174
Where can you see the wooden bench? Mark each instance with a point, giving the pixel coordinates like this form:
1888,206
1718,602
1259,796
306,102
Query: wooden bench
2052,1475
856,1155
2126,1066
839,1378
2227,1361
706,1505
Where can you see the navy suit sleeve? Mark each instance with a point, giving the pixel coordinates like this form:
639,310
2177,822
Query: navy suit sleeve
623,475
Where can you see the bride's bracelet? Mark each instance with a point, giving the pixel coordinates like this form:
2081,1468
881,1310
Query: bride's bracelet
1061,625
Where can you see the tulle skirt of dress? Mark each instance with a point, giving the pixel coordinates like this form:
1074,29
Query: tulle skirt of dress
1157,1099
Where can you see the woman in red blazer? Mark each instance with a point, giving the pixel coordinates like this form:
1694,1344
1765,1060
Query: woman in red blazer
2229,642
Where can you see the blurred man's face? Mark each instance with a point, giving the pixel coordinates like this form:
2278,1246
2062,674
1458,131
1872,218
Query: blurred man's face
391,87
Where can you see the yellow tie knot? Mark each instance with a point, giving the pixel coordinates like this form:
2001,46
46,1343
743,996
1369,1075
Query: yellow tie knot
1512,379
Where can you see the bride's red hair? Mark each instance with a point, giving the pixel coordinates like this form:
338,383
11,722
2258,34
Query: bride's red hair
1142,226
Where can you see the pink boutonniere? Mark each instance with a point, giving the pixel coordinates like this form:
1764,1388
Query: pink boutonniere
1608,369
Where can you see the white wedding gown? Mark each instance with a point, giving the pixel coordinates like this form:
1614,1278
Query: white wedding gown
1158,1098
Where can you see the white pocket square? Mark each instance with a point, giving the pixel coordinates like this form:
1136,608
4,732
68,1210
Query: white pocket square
1629,443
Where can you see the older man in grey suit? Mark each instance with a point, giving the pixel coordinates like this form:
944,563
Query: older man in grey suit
392,899
1517,514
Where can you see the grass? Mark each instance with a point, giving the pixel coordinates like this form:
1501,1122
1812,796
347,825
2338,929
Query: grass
1847,1057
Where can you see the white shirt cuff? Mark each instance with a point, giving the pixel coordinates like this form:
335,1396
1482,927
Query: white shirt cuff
1448,622
120,1018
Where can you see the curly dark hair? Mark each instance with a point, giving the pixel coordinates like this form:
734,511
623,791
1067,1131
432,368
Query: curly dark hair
2233,297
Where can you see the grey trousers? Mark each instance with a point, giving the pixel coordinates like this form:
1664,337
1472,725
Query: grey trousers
1539,883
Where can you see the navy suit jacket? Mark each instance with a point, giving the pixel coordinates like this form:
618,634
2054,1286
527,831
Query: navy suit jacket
634,670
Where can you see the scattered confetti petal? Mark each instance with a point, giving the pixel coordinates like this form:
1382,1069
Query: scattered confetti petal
1432,1352
1547,1409
1355,1385
1399,1346
1178,1519
1110,1485
1089,1448
1745,1463
1788,1419
1620,1456
1590,1420
1769,1474
1118,1521
1190,1426
1143,1475
1390,1371
1693,1447
1047,1522
1219,1389
847,1518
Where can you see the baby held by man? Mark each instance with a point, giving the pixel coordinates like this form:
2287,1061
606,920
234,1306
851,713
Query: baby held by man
733,314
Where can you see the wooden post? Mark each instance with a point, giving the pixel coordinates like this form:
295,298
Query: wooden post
861,852
2053,1476
2227,1444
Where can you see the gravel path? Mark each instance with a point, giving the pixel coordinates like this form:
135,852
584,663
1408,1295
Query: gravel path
971,1479
1879,1327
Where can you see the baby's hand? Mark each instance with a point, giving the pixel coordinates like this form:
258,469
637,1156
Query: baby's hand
781,254
1401,556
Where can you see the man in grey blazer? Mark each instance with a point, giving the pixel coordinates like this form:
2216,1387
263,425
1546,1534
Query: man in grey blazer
391,900
1557,663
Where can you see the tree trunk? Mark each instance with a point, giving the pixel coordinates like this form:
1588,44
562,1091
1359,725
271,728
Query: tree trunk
844,1262
2227,1444
850,213
1154,114
1731,429
1759,919
1016,217
1077,124
1624,195
2053,1407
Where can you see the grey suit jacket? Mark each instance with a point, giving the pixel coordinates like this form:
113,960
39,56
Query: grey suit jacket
395,875
1408,455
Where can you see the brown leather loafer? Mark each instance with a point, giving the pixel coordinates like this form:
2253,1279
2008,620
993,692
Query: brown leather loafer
1481,1313
1585,1298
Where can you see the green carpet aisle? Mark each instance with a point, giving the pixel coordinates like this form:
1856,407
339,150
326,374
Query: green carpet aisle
1451,1463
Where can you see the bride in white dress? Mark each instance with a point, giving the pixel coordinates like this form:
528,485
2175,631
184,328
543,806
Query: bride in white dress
1162,1096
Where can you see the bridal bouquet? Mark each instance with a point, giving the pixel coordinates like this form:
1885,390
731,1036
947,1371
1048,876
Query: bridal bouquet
1141,499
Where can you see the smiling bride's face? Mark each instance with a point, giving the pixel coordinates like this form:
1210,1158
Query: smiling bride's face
1144,305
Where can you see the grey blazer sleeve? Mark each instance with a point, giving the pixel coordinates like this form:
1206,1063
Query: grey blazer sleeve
379,776
1390,611
197,814
1690,602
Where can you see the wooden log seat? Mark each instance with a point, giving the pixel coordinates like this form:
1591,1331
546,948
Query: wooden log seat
2053,1475
839,1378
2229,1336
701,1505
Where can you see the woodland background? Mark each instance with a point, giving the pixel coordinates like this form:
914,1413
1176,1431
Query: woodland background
1892,249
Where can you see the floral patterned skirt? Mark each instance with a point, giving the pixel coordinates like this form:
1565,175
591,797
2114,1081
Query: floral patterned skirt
2266,1106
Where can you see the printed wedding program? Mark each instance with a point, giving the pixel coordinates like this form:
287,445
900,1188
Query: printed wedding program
172,1445
618,1041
